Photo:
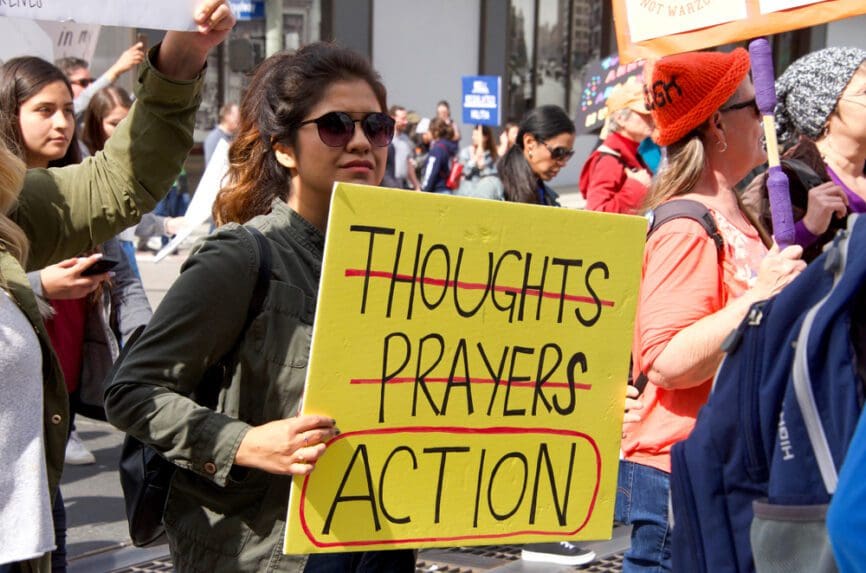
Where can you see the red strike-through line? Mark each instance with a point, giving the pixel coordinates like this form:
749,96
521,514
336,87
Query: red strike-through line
474,286
527,384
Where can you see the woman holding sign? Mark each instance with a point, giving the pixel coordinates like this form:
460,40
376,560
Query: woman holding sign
694,291
308,119
44,218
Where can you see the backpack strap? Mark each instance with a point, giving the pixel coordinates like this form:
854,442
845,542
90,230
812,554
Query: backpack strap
605,150
685,209
681,209
263,278
220,373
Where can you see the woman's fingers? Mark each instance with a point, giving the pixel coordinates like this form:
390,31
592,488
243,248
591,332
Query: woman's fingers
214,15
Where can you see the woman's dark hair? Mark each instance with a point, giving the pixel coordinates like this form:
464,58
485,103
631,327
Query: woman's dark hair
516,173
283,90
487,141
101,105
21,79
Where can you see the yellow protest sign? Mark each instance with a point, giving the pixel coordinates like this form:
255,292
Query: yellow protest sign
474,354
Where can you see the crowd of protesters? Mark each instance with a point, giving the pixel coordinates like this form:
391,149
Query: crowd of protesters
83,162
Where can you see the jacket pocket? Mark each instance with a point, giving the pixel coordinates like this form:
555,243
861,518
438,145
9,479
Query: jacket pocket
278,353
791,538
281,333
202,516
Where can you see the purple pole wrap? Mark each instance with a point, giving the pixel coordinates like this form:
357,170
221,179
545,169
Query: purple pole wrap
761,57
780,207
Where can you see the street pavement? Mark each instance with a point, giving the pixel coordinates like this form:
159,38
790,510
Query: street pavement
97,538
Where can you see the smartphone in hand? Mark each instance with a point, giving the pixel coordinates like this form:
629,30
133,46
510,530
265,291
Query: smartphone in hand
102,265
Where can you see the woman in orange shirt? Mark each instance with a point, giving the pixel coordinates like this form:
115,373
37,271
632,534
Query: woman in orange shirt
692,296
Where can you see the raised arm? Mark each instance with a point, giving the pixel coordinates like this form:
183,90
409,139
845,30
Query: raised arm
66,211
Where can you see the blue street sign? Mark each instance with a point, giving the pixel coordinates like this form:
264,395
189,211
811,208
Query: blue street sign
249,9
482,104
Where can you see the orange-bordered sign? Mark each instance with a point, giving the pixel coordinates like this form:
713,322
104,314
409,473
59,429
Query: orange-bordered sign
654,28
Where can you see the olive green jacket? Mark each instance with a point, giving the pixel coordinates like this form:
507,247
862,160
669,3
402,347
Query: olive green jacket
68,210
219,517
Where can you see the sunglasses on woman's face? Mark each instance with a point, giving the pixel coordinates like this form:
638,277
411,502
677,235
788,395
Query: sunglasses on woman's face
748,104
83,82
337,128
558,153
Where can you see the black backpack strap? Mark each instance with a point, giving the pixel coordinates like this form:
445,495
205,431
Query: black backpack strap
220,373
264,277
685,209
680,209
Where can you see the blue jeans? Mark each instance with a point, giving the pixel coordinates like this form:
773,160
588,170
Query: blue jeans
58,556
642,500
396,561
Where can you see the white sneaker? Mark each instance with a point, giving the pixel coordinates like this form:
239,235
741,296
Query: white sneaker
562,553
155,243
76,453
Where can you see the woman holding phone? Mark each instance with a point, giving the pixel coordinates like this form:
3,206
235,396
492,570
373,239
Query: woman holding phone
88,312
44,218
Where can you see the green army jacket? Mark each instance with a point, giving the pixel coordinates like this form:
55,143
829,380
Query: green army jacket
219,517
68,210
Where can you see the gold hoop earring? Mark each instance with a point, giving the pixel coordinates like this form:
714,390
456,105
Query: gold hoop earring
721,145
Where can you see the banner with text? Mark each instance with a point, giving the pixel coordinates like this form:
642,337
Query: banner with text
156,14
475,355
598,82
655,28
482,104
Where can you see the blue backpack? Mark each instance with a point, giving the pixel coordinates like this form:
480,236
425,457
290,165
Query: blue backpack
784,406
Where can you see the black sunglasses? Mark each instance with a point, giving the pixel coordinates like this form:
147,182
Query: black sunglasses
559,153
742,105
337,128
83,82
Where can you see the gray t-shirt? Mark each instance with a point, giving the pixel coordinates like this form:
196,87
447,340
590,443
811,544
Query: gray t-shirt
402,153
26,526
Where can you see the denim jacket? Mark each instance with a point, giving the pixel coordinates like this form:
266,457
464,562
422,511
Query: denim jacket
219,517
65,211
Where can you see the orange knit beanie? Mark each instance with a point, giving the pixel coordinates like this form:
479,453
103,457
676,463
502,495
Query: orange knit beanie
688,88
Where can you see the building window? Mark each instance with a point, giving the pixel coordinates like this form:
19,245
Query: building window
521,61
550,44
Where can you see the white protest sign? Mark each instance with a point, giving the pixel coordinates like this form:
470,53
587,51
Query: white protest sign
24,38
769,6
71,39
648,19
200,207
156,14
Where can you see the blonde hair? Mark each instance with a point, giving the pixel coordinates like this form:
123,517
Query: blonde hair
12,237
687,159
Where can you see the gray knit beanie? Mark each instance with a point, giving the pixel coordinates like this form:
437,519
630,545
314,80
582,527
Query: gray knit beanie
808,90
